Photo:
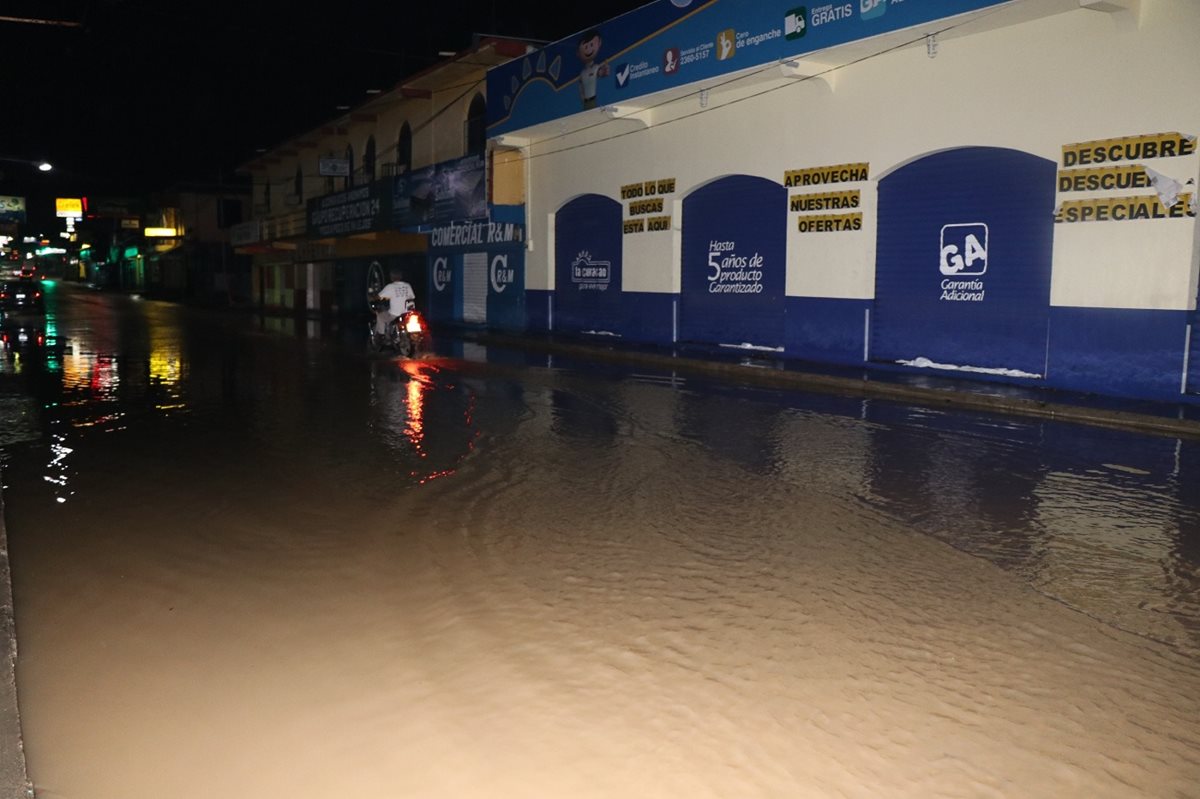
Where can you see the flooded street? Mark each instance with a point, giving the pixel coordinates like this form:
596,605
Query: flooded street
249,560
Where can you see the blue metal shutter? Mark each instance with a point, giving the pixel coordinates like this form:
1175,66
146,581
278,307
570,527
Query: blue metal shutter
978,220
587,265
733,277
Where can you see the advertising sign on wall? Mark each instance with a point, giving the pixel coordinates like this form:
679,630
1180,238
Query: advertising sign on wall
12,209
68,207
438,193
672,43
1103,166
333,167
358,210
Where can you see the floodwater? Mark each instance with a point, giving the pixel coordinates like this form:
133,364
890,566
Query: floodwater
249,560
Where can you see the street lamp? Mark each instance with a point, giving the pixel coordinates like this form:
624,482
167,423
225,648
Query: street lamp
42,165
12,184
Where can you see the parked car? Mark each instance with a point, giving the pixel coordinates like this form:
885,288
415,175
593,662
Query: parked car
24,336
22,295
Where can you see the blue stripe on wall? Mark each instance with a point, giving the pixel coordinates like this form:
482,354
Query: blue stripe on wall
1106,351
647,316
825,330
1117,351
537,310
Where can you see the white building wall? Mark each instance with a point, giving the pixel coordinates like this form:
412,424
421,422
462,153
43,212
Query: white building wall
1034,86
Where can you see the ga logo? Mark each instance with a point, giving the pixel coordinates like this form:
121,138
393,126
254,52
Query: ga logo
872,9
964,249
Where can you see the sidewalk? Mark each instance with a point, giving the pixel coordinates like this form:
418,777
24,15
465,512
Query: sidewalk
14,782
899,385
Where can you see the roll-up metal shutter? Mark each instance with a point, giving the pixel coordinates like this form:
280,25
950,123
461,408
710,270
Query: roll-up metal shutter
587,265
733,277
475,283
963,261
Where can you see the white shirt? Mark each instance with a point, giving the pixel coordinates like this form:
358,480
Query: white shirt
398,293
587,80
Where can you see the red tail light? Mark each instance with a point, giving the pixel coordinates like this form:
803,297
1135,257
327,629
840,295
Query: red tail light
413,324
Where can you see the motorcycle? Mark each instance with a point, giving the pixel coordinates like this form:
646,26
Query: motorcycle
404,335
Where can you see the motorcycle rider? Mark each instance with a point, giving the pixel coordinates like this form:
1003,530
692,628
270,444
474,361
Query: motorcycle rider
400,298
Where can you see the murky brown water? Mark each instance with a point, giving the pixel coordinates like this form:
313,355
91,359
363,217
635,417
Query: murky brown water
253,563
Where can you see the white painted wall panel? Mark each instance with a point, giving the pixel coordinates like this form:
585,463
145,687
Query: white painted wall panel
1073,76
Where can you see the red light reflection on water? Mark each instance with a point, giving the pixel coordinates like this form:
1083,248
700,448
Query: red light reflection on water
418,383
421,383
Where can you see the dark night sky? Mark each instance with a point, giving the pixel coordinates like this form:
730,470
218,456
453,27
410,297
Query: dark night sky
140,95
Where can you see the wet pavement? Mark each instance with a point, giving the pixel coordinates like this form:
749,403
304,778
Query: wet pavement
529,568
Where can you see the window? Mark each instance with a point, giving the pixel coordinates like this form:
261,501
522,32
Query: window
369,161
404,149
477,126
229,212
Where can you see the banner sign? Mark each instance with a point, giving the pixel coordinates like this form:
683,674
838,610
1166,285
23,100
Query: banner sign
69,207
439,193
333,167
1129,148
451,191
1104,165
671,43
359,210
647,205
476,235
12,209
1124,209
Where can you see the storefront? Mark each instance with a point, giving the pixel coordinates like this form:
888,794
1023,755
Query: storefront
866,184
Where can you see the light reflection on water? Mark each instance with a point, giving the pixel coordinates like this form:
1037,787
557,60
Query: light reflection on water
1104,521
1101,520
478,556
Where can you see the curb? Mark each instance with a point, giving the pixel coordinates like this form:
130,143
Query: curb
865,387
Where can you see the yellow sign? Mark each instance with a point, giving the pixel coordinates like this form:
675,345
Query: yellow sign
647,224
1129,148
1104,179
829,201
651,206
68,206
832,223
819,175
648,188
160,232
1122,209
